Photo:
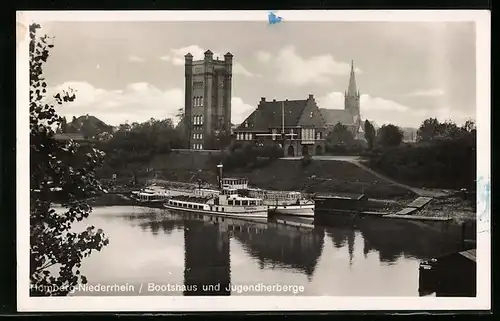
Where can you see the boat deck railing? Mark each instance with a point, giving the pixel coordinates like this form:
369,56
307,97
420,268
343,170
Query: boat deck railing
186,198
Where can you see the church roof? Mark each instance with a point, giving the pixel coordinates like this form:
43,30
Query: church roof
269,115
352,90
334,116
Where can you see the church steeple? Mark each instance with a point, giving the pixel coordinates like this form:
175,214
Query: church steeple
352,98
352,90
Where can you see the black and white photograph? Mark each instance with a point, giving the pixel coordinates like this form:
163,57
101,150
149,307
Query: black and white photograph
263,160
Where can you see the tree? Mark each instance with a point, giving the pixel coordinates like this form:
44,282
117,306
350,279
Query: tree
60,173
180,115
429,130
469,126
369,134
340,135
389,135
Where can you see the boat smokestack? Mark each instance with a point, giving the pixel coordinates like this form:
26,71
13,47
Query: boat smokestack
219,175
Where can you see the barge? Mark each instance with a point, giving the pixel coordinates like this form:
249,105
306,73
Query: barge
340,203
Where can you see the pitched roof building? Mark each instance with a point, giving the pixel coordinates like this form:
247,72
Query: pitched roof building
297,125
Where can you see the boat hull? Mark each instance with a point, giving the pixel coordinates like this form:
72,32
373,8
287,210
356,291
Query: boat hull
295,210
252,214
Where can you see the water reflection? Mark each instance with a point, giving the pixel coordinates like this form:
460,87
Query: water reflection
202,255
207,262
393,238
283,246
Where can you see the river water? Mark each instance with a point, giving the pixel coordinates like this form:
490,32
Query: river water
156,252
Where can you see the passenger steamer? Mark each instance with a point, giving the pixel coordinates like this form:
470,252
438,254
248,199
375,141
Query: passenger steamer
222,202
226,202
277,202
154,196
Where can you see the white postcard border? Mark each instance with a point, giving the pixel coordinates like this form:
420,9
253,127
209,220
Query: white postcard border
252,303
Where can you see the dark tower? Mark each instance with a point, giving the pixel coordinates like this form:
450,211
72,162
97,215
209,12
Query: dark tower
188,101
208,99
228,59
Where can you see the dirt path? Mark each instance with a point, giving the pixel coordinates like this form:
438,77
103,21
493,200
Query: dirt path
418,191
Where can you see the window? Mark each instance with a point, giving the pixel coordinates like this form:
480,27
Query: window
198,120
201,146
230,202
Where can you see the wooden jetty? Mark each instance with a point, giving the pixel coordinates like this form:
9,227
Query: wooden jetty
414,206
297,224
419,202
417,217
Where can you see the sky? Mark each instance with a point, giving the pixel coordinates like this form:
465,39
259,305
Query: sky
133,71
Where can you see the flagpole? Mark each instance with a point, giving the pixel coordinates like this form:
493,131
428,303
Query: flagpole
283,124
283,118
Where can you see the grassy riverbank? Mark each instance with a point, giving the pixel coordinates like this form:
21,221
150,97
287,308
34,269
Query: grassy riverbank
322,177
455,207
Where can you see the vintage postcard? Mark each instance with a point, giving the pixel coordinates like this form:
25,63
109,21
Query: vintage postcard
236,160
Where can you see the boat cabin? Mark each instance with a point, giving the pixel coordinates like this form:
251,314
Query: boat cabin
151,197
236,200
279,196
204,192
236,183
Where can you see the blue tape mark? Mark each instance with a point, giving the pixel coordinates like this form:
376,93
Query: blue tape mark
483,199
274,19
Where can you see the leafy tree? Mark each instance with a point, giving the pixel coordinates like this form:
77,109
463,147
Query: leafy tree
180,115
389,136
429,130
449,130
432,130
369,134
340,135
469,126
63,126
60,173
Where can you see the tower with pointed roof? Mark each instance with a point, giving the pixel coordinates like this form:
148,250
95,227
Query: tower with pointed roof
207,109
351,100
352,104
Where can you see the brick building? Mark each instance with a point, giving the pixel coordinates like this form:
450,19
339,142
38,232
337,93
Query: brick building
296,124
207,99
